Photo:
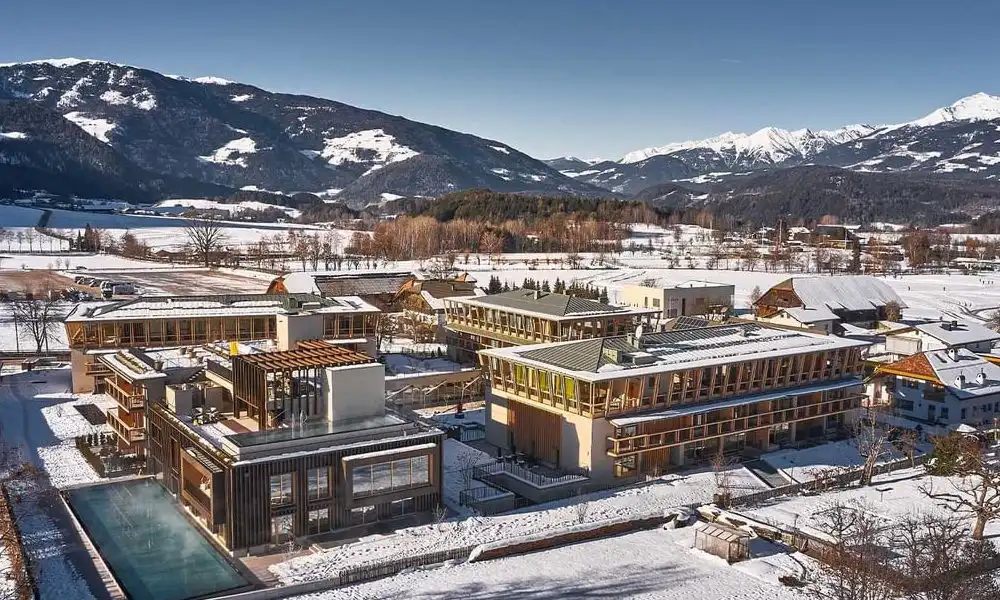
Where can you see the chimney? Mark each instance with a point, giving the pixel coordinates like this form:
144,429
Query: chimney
638,336
537,294
960,381
946,325
953,354
954,325
158,365
981,378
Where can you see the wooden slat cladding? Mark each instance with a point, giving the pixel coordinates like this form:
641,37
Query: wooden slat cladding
246,494
536,432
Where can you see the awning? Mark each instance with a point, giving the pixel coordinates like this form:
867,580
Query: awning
693,409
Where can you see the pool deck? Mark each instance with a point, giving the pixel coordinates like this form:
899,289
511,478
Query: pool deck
108,583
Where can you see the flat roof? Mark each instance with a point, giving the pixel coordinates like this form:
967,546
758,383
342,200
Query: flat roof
598,359
311,430
549,305
222,305
307,354
956,333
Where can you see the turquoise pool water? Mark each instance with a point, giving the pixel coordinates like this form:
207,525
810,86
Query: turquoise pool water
154,552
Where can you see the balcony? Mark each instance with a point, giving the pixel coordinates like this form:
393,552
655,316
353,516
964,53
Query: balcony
124,394
624,446
125,430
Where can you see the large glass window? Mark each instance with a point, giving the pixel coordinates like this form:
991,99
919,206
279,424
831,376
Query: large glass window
319,483
319,520
388,476
281,489
402,507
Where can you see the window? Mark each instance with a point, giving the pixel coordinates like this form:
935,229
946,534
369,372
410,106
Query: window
282,529
319,520
944,412
402,507
656,303
362,514
319,483
281,489
388,476
963,414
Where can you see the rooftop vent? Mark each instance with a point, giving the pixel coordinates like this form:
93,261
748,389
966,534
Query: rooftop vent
536,294
953,354
960,381
981,378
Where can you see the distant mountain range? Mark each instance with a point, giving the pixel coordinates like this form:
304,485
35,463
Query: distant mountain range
158,134
958,140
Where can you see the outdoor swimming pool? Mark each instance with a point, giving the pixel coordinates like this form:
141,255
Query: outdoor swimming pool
154,552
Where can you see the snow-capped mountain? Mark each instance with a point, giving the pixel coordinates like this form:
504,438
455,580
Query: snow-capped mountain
232,134
962,138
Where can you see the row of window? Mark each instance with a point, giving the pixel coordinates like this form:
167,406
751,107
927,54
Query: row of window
367,480
319,521
389,476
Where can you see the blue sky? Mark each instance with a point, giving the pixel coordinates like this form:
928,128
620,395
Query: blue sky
553,77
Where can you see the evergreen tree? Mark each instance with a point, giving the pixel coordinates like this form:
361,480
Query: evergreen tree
545,286
506,287
495,286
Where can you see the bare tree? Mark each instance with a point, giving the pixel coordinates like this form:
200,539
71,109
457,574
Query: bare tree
872,443
492,244
443,266
206,237
464,462
37,315
580,509
973,485
723,469
386,328
755,294
856,565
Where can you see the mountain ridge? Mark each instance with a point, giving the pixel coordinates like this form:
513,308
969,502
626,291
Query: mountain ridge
238,135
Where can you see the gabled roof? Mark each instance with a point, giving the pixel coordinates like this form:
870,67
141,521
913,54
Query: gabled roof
844,292
957,333
810,315
916,366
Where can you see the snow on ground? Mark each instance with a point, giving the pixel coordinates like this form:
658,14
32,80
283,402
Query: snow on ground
26,239
656,564
892,496
806,465
237,147
99,128
665,492
37,414
403,364
230,208
363,146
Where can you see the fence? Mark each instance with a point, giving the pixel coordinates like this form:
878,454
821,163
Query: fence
515,470
25,587
368,572
840,479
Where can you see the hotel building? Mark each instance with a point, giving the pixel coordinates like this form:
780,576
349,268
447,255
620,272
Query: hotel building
625,405
269,446
172,321
524,317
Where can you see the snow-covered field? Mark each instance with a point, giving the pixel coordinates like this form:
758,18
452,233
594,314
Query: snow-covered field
891,496
666,492
657,564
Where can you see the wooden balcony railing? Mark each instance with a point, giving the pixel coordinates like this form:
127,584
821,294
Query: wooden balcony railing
126,431
625,446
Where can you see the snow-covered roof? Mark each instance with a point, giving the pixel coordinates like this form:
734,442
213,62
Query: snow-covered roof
701,283
844,292
549,305
246,305
948,365
318,282
810,315
670,351
958,333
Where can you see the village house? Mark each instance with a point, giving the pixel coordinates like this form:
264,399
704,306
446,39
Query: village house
855,299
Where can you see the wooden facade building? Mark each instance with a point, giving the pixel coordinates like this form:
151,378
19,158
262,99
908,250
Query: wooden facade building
530,317
621,406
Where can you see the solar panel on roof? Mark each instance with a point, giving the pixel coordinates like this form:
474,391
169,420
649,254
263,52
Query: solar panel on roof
689,322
